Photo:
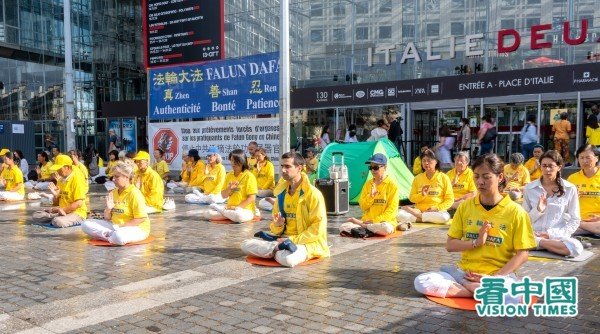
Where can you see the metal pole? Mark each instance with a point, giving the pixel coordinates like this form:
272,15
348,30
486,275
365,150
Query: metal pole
284,78
69,106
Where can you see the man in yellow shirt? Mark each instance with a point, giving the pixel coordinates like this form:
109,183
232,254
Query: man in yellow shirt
79,167
378,200
69,198
298,231
149,182
533,164
517,176
12,180
463,185
252,147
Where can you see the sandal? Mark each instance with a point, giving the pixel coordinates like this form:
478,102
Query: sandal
404,226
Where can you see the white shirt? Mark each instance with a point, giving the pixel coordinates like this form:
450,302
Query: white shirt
324,140
349,139
377,134
561,217
24,167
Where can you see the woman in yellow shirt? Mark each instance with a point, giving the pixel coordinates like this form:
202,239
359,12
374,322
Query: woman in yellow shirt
592,132
264,173
417,168
587,181
533,164
113,158
11,179
125,218
431,192
463,185
240,190
44,175
517,176
160,165
492,233
378,200
214,180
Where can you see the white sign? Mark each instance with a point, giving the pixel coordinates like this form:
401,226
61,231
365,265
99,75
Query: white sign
18,128
226,135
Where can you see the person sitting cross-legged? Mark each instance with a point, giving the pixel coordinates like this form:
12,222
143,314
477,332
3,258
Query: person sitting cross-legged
431,192
125,218
264,173
149,183
379,200
240,190
298,231
553,207
463,185
517,176
12,180
70,195
587,181
492,233
213,180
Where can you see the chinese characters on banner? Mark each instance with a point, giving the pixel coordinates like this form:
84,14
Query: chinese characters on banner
178,31
234,87
226,135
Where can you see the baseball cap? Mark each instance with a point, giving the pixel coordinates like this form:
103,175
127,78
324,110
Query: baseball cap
377,158
213,150
60,161
141,155
4,151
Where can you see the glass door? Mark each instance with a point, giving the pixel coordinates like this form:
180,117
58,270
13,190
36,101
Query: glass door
509,120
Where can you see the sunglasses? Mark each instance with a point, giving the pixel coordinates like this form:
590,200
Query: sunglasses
376,167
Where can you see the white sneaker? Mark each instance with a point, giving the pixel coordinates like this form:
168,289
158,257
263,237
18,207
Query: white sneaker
169,204
34,195
197,192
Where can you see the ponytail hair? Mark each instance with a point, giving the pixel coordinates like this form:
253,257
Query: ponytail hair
557,158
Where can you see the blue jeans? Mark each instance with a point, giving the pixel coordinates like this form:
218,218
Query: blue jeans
486,148
527,150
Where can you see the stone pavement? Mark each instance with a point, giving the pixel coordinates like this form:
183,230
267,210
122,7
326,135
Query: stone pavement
193,279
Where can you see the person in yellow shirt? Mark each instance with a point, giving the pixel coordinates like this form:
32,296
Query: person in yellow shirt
416,167
69,197
587,181
79,166
12,180
517,176
113,158
592,132
378,200
192,176
214,180
264,173
561,131
240,190
492,233
463,185
533,164
252,147
149,183
431,192
44,175
160,165
125,218
184,176
298,231
2,153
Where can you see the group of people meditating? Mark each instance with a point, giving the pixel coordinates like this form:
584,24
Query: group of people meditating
489,227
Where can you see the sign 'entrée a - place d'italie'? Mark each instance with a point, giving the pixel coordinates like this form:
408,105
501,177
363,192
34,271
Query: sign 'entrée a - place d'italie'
183,31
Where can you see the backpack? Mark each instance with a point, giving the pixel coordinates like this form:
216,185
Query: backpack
490,135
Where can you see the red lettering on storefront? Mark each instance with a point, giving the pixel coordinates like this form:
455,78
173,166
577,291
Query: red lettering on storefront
537,36
567,33
508,32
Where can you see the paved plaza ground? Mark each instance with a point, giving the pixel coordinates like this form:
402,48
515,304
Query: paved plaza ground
193,279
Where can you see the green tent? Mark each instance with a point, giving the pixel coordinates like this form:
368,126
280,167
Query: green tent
355,155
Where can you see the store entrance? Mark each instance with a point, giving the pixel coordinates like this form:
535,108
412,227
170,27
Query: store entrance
509,120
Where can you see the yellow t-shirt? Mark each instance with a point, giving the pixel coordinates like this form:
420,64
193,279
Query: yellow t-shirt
561,129
246,186
83,171
516,178
197,175
417,168
45,171
589,193
593,135
185,176
537,173
152,187
291,206
129,204
162,168
251,162
265,177
214,179
463,184
439,195
511,231
384,206
100,162
111,164
13,177
72,189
